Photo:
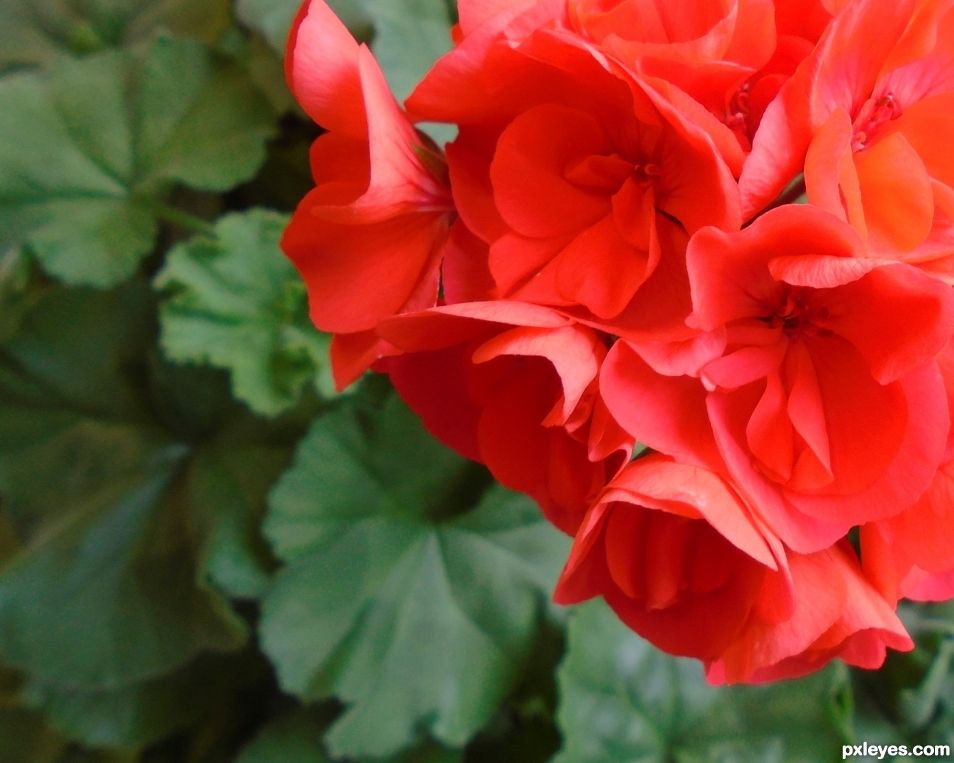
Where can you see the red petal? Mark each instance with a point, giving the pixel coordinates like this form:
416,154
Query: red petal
353,354
528,171
805,534
601,270
452,324
464,272
656,481
666,413
857,441
897,317
434,386
575,353
322,70
896,194
359,274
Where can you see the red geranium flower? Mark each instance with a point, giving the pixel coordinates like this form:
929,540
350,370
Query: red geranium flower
818,384
683,561
576,275
367,240
578,177
869,119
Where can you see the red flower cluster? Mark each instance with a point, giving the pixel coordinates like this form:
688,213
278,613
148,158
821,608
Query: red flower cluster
606,254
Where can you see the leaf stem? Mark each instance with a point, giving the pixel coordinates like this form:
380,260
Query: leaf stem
934,625
920,705
178,217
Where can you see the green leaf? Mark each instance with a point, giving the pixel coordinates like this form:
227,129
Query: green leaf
69,414
227,487
419,618
88,151
134,20
919,705
409,36
19,290
102,592
36,31
116,569
76,754
142,713
266,70
273,18
200,122
294,738
428,752
9,543
911,698
236,303
622,699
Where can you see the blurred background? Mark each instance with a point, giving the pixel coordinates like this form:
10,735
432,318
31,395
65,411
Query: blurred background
205,553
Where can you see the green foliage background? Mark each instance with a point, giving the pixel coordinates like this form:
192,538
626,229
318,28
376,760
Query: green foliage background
205,554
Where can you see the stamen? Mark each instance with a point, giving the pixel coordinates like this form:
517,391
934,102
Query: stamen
796,316
874,113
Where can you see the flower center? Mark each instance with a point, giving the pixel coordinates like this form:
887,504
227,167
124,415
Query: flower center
797,316
608,173
738,113
874,113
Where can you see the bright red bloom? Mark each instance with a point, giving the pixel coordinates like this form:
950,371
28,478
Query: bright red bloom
675,553
367,240
729,56
576,276
683,561
834,612
869,120
911,555
578,177
816,384
718,62
512,386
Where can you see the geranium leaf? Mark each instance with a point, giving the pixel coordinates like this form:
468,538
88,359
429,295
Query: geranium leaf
99,496
622,699
428,752
417,619
199,121
235,302
273,18
116,568
36,31
227,487
88,151
142,713
409,36
19,289
293,738
296,737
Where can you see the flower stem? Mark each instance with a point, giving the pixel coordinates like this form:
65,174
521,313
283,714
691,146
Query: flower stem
177,217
